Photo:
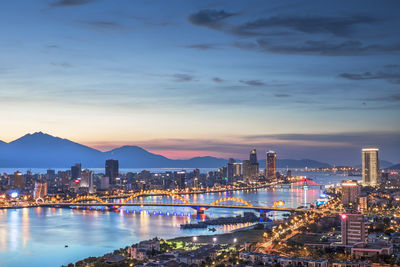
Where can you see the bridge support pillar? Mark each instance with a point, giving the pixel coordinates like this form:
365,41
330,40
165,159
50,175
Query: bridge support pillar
264,214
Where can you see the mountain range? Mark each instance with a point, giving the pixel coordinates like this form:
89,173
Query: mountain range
40,150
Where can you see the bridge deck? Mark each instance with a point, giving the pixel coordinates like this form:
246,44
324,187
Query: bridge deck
192,205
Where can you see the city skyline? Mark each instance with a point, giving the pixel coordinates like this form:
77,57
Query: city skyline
207,78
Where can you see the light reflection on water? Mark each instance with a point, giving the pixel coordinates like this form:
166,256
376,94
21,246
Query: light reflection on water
37,236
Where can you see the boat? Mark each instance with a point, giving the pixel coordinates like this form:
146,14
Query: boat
212,229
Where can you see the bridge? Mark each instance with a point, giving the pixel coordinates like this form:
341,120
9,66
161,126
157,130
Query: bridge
95,201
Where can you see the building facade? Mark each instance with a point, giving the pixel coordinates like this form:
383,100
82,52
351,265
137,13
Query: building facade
370,167
354,229
270,169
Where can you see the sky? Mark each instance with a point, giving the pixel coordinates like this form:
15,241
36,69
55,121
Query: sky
308,79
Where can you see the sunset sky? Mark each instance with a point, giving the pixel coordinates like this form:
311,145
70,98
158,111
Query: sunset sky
309,79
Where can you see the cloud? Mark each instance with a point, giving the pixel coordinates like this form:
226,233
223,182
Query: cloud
202,46
210,18
103,25
61,64
67,3
180,77
339,26
390,73
324,48
252,82
218,80
389,98
282,95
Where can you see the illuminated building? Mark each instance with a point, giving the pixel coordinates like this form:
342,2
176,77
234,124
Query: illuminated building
180,178
64,176
40,190
87,180
76,171
104,183
270,169
250,167
363,204
354,229
350,192
230,170
19,181
112,170
238,169
370,167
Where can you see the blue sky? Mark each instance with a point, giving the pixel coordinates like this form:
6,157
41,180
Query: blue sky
310,79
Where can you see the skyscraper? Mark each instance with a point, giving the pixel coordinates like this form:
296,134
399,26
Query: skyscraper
370,167
180,179
253,156
350,192
76,171
19,181
230,169
270,169
40,190
250,167
112,170
354,229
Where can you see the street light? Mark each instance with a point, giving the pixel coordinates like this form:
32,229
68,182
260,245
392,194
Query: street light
194,238
234,240
214,240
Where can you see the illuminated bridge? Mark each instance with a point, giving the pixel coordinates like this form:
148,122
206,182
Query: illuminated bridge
94,201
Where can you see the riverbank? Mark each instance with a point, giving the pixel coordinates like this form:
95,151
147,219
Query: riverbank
241,236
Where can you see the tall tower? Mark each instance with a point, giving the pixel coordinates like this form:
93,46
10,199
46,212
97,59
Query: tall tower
270,169
253,156
112,170
370,167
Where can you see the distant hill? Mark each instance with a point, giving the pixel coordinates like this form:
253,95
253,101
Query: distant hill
40,150
394,167
297,163
383,164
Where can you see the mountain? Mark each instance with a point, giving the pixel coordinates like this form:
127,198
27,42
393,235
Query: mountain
40,150
383,164
292,163
394,167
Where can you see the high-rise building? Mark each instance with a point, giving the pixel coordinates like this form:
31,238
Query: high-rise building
253,156
40,190
104,183
230,169
350,192
270,170
87,180
112,170
19,180
180,179
238,169
354,229
65,178
370,167
76,171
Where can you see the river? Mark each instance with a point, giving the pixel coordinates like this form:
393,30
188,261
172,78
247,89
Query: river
37,236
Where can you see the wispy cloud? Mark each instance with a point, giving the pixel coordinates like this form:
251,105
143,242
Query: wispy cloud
252,82
181,77
202,46
67,3
210,18
104,25
390,73
324,48
217,80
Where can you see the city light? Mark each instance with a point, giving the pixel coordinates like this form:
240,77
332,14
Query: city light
14,194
